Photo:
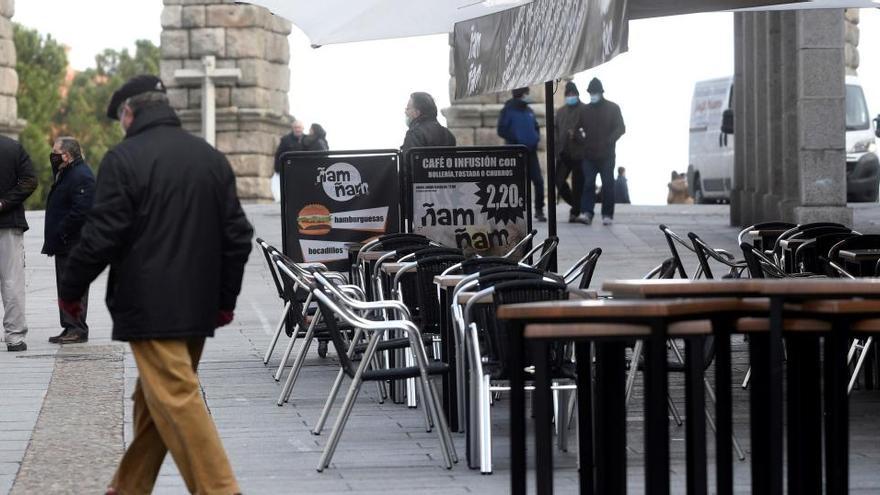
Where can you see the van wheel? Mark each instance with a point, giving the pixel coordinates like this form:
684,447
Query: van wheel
698,192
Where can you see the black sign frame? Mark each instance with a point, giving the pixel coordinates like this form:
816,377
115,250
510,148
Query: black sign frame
394,219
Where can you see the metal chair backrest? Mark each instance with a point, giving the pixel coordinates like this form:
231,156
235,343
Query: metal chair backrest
267,250
705,252
476,265
495,330
673,239
426,290
865,241
583,269
546,251
810,256
764,226
525,245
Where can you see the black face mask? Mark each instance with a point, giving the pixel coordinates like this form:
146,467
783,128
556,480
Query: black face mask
56,160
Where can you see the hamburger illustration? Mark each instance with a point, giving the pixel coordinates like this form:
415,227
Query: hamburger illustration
314,219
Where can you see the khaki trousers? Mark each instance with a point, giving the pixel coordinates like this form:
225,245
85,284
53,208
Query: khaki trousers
170,414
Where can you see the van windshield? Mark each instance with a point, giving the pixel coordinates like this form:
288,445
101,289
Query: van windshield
856,109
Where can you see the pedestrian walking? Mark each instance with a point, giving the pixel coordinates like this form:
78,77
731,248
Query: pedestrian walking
168,221
17,182
604,127
571,140
423,129
517,124
316,139
621,189
71,197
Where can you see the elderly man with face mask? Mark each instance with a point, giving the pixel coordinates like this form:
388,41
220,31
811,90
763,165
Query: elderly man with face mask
168,221
70,198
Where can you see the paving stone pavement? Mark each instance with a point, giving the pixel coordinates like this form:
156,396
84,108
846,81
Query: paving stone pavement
385,448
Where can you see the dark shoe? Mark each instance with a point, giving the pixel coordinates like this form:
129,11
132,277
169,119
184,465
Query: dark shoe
21,346
585,218
74,337
539,216
607,220
57,339
572,218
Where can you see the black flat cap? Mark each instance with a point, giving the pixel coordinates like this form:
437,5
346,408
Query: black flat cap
133,87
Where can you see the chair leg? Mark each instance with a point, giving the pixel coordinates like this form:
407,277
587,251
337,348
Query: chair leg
347,405
429,422
410,383
300,360
572,402
328,404
633,369
562,419
747,378
864,354
674,410
710,392
286,357
485,427
278,329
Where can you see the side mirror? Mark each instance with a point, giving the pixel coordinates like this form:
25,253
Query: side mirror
727,121
877,126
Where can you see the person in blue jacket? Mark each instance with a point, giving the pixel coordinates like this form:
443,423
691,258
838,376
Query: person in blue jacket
71,197
517,125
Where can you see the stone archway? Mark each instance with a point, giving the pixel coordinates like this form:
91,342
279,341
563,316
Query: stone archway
10,124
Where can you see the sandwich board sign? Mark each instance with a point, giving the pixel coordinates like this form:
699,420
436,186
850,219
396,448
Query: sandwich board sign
473,198
331,199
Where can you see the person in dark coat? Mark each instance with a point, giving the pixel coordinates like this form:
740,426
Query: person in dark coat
621,189
70,198
421,121
17,182
168,221
292,141
517,125
316,139
570,142
604,127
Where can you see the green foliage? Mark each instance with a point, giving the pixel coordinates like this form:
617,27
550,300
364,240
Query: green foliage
42,64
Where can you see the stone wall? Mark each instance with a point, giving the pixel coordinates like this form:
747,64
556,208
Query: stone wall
852,41
254,113
10,124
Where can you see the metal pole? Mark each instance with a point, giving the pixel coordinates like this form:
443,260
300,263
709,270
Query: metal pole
208,101
551,168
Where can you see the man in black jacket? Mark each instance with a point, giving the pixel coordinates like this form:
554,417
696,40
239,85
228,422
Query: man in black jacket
421,121
17,182
570,143
292,141
604,127
70,198
168,221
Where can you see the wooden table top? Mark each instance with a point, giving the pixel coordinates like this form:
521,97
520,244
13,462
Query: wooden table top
860,254
446,281
593,330
617,309
393,268
866,287
373,255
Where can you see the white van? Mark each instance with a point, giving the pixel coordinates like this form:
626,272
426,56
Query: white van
710,172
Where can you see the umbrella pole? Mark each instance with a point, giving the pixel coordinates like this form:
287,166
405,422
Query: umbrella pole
551,167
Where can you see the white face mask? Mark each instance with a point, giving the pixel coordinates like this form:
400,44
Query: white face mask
596,98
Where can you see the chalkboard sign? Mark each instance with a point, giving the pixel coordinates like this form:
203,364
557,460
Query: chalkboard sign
331,199
476,199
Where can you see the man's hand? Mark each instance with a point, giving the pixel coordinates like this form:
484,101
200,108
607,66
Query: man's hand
224,317
73,308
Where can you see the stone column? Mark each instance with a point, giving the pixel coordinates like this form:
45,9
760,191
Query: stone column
761,116
748,116
738,210
10,124
789,146
773,170
253,114
821,117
